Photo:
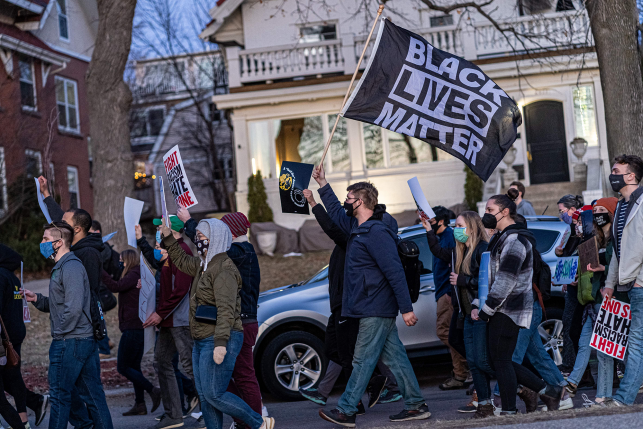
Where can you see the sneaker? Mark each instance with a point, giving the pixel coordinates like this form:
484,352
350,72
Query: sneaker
337,417
377,386
313,395
360,409
452,384
469,381
612,403
421,413
552,402
264,411
200,423
530,398
136,410
155,394
193,402
167,423
41,410
388,396
472,406
571,389
268,423
484,411
158,418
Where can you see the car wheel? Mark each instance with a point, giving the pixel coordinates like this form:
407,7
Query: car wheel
293,360
551,333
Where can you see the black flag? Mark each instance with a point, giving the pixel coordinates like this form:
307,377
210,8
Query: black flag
412,88
293,179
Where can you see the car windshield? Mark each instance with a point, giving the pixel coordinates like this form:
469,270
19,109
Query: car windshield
319,276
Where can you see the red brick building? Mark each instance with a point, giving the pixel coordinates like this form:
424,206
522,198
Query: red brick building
45,47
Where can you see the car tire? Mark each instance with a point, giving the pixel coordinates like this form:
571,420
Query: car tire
278,366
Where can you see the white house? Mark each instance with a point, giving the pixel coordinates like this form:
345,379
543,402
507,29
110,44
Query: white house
289,70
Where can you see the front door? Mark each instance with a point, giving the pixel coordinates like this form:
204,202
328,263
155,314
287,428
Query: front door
545,129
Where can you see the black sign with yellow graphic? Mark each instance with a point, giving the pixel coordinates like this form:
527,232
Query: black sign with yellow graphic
293,179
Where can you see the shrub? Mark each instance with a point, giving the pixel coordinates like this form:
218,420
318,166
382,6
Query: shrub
472,189
259,211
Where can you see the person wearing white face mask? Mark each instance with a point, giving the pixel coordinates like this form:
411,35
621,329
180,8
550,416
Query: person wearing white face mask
215,321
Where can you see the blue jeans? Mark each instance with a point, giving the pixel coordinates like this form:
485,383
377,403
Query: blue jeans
530,346
74,363
378,338
605,376
212,383
475,344
633,377
584,350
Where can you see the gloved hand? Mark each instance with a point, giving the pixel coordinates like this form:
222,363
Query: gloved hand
219,354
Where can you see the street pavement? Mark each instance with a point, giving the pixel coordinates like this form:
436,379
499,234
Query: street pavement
443,406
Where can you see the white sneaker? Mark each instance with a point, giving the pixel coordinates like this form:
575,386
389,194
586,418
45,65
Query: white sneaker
264,411
268,423
566,404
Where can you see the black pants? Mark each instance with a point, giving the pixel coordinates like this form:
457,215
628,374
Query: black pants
502,335
456,333
572,327
15,386
130,353
341,336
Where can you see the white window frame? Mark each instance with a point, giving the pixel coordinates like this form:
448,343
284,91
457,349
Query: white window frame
74,170
32,82
35,154
65,81
66,17
315,24
3,182
592,90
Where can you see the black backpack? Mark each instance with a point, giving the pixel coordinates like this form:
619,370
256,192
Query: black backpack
409,253
97,317
542,275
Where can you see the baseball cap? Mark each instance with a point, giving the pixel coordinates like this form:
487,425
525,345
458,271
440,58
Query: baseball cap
175,223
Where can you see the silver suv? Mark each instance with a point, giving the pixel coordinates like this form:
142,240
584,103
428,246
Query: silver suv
289,352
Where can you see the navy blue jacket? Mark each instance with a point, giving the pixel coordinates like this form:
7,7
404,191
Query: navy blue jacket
245,258
442,268
374,280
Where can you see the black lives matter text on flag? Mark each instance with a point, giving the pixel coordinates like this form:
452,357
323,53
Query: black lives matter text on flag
414,89
179,184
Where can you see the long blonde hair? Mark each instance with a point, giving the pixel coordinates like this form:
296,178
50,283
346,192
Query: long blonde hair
464,251
131,260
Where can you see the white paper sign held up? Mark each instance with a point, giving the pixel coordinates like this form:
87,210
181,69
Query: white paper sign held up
178,179
41,202
132,210
426,212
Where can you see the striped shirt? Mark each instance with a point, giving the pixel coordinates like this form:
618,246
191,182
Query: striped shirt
620,224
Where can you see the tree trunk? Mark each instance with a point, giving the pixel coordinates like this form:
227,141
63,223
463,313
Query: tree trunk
614,26
110,100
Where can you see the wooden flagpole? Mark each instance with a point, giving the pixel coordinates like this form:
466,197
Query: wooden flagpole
379,13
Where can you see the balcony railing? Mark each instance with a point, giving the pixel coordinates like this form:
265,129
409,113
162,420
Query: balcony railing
554,31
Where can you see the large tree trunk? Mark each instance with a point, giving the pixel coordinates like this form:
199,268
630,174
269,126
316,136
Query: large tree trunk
109,105
614,26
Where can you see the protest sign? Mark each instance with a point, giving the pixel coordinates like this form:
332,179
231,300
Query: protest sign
109,237
147,302
164,214
412,88
132,210
177,179
424,208
612,328
588,254
293,179
41,202
565,272
483,278
26,314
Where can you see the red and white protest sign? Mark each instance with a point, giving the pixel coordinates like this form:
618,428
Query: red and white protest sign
178,180
612,328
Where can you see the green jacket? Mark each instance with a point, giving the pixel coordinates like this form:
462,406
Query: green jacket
219,285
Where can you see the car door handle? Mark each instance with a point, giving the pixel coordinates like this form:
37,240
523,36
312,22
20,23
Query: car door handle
426,289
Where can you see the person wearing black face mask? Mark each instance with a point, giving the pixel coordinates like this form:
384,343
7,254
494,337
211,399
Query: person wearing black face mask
442,244
626,269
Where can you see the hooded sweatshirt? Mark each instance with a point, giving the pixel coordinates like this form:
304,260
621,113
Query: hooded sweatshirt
216,282
10,299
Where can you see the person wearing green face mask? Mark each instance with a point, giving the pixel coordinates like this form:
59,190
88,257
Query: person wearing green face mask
460,234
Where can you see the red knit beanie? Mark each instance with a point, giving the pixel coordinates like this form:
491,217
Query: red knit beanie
608,203
237,222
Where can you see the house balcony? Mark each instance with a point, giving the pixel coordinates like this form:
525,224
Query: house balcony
559,31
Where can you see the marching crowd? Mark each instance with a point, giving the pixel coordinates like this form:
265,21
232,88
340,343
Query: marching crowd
206,310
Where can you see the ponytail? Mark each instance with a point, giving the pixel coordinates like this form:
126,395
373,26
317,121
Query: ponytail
506,201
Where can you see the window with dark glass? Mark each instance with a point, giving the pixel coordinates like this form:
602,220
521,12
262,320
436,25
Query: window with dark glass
27,82
441,21
317,33
63,24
